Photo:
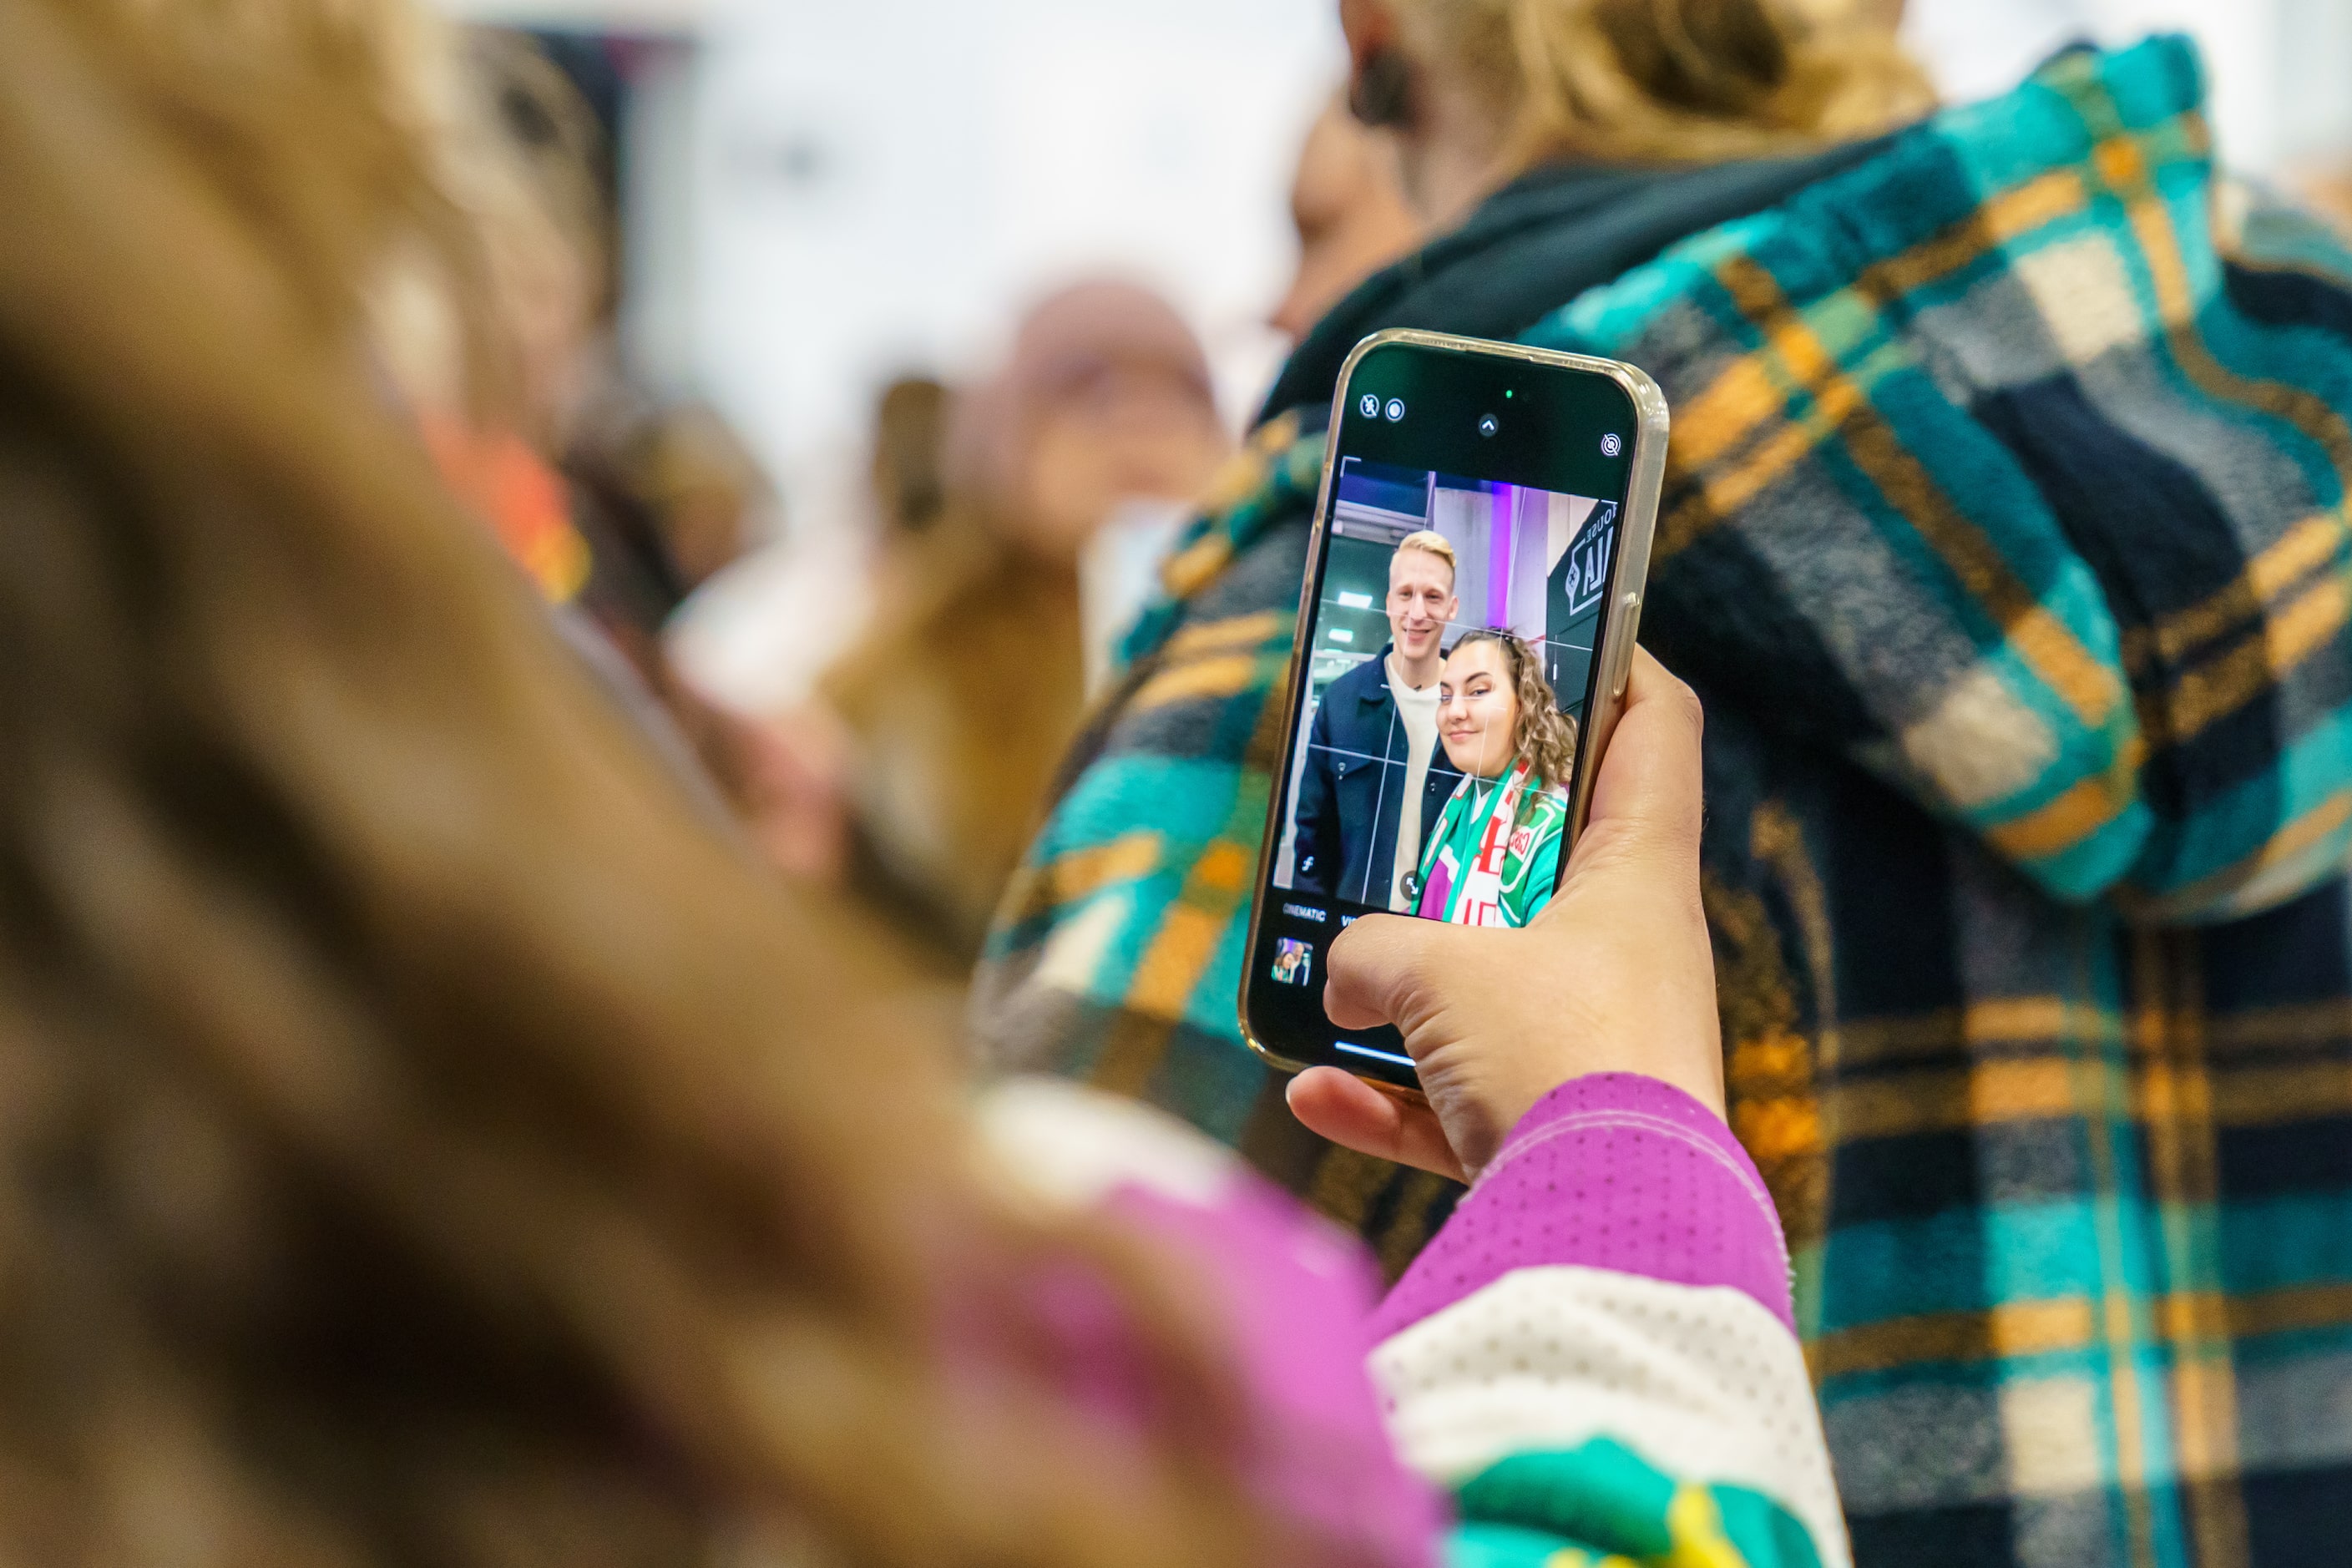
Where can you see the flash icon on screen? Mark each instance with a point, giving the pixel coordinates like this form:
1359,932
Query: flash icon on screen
1370,408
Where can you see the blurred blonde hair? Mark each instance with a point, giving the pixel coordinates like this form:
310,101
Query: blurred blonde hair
1675,82
422,1142
349,137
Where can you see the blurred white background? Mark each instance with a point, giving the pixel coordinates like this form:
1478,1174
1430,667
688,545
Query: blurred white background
820,194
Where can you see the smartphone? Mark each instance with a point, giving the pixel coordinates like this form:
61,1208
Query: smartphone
1473,590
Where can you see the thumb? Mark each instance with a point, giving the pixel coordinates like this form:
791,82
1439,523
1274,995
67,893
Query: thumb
1377,967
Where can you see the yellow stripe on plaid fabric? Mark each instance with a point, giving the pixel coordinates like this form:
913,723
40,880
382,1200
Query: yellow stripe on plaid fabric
2098,1101
2020,1331
2080,680
1197,680
2296,1026
1208,661
2210,693
1742,399
2200,699
2075,813
2013,1330
2037,1020
1193,925
1992,1093
2315,541
2045,199
1233,632
1039,890
1772,1070
1192,568
2028,1024
2306,835
1719,496
2183,1160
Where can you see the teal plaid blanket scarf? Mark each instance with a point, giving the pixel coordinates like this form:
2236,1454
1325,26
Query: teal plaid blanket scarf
2005,535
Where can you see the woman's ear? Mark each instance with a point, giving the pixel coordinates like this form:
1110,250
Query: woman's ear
1380,81
1368,25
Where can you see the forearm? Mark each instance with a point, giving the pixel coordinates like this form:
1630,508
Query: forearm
1593,1353
1607,1312
1617,1171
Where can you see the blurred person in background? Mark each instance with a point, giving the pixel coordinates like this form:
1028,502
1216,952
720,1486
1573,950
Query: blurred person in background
958,702
633,480
435,214
507,150
678,492
2004,536
907,477
454,255
1348,206
425,1141
760,632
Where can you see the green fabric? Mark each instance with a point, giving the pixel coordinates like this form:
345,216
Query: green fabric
1601,1500
1529,873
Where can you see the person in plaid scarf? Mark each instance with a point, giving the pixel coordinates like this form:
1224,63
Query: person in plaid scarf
2005,537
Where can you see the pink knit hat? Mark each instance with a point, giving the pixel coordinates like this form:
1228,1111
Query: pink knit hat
1065,350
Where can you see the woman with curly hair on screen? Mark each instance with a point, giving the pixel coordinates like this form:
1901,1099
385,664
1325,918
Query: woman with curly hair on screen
1494,857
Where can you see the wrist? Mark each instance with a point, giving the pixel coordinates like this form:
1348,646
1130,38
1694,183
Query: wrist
1610,1171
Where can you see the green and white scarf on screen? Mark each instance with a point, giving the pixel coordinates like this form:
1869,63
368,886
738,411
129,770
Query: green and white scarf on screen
1494,859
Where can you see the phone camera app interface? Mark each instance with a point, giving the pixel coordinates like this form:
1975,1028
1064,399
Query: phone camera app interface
1450,656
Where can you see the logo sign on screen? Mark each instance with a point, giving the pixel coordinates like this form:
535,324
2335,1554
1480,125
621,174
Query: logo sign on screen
1587,569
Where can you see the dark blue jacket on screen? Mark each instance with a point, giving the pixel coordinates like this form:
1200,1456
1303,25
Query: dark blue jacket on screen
1351,790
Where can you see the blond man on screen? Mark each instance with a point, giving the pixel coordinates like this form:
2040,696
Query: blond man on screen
1374,775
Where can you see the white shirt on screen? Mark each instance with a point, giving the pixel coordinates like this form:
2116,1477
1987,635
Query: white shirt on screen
1417,710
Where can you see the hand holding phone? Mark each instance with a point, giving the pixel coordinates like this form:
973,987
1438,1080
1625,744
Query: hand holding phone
1616,975
1466,625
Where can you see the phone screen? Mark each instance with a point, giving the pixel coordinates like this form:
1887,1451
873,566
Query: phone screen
1449,653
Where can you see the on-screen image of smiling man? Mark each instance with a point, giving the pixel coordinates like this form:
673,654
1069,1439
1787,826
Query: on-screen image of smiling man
1374,775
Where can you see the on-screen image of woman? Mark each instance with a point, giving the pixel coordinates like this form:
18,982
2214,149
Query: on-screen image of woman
1494,857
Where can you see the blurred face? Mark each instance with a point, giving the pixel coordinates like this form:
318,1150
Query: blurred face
1477,710
1349,206
1420,601
1133,434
